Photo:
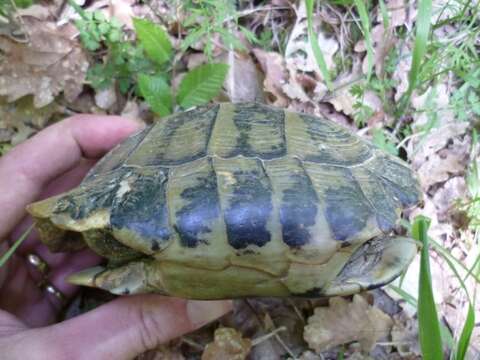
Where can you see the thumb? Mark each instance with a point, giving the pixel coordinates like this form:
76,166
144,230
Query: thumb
121,329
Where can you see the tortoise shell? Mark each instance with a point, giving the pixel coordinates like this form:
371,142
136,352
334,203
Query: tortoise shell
233,200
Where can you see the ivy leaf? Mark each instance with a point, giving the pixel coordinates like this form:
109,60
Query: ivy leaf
201,84
157,93
154,40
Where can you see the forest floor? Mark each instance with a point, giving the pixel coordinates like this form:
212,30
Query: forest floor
412,90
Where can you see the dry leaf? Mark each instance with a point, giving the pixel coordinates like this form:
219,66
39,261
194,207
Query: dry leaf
243,79
436,97
49,64
405,335
343,322
445,198
122,10
439,169
382,43
162,352
276,75
402,69
299,52
106,98
421,149
227,344
396,11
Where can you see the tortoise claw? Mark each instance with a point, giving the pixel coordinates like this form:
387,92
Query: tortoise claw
86,277
131,278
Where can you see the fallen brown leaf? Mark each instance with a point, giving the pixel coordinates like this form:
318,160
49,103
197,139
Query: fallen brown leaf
299,53
273,67
47,65
343,322
228,344
243,79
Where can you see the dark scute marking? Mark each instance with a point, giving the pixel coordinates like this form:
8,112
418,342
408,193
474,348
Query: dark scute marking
202,207
203,117
385,224
96,194
312,293
346,211
247,115
143,210
118,155
249,211
155,245
407,197
298,211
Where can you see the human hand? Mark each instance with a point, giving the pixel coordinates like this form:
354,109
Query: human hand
51,162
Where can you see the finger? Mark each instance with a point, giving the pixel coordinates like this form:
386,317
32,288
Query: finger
26,169
123,328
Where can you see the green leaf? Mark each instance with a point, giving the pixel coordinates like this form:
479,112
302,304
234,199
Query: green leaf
317,52
157,93
383,142
429,326
201,84
154,40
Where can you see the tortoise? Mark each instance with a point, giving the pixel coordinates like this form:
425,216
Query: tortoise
236,200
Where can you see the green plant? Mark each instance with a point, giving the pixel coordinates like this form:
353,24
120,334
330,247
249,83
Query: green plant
197,87
419,51
144,67
211,22
317,52
7,7
123,59
428,323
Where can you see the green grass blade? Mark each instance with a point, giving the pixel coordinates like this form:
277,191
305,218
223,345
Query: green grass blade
405,295
362,12
317,52
419,49
465,336
383,11
446,255
5,257
429,325
201,84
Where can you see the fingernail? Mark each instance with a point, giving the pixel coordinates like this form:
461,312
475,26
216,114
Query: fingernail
202,312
